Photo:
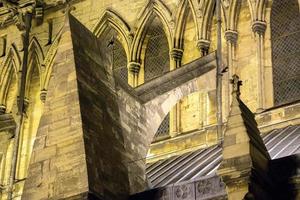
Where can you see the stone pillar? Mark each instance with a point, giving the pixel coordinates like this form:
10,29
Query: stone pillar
231,39
204,103
203,46
259,28
175,113
71,158
134,69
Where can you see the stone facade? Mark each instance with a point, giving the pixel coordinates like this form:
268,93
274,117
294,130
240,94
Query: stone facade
71,88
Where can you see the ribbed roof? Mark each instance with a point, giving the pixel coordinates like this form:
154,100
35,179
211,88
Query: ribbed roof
203,162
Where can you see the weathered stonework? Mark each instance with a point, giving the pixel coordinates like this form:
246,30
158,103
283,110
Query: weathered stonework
190,32
122,118
245,162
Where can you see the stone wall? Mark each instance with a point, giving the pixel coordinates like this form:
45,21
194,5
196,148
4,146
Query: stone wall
128,21
107,132
58,163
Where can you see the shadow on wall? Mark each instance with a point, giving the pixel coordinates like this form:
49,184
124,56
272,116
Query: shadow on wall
284,173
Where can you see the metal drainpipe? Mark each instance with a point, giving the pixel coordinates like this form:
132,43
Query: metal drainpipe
21,110
218,73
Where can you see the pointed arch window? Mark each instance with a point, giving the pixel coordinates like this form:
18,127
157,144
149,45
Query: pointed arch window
285,37
157,61
119,58
120,61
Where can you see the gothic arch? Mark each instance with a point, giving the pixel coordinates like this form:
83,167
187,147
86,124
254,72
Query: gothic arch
36,51
208,13
49,61
34,105
12,56
110,18
234,9
260,10
35,59
10,68
165,102
182,12
145,19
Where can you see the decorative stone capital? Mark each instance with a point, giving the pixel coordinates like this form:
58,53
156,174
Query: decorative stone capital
203,45
43,95
231,36
39,15
134,67
176,54
26,103
19,21
2,109
259,27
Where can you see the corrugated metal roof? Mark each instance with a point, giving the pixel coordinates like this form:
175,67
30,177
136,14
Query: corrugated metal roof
204,162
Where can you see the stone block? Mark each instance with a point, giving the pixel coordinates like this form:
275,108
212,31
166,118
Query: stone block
44,154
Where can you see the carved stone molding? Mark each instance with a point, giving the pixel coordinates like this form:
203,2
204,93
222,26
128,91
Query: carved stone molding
186,191
176,54
209,188
26,104
259,27
43,95
231,36
134,67
2,109
203,45
39,15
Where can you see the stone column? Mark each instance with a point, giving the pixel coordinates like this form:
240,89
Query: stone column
204,108
259,28
203,46
231,39
175,113
134,69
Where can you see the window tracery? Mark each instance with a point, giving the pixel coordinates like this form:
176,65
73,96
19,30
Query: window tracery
157,61
285,32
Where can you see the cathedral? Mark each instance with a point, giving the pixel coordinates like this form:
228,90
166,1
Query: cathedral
149,99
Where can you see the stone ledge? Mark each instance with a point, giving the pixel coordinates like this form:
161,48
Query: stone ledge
279,117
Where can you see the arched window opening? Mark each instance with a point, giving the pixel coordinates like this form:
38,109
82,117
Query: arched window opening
157,61
285,37
195,143
9,95
119,58
120,61
163,129
189,40
197,120
34,109
12,89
